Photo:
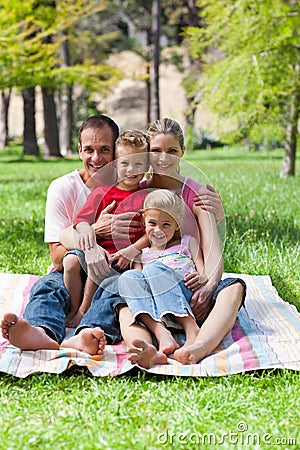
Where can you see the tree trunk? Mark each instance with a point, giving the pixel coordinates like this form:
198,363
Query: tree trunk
156,18
148,76
289,159
50,124
30,146
65,104
4,105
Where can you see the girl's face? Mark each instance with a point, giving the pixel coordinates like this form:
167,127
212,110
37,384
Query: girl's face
160,227
165,154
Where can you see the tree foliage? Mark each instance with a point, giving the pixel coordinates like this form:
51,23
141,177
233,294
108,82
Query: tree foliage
29,57
250,52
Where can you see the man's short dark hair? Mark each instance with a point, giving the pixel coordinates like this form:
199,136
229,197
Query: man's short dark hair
99,121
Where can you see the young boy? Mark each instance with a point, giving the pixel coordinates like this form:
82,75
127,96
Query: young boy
131,163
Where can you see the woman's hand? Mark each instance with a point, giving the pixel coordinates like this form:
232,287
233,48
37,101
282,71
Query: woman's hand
208,199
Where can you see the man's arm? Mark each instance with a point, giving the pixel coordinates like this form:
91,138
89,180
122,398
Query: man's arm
57,252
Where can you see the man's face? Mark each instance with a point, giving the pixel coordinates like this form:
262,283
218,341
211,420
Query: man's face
96,149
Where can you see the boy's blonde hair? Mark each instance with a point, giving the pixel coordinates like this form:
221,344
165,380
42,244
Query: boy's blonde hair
167,201
133,138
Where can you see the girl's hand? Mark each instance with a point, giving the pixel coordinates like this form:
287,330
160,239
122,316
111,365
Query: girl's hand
122,258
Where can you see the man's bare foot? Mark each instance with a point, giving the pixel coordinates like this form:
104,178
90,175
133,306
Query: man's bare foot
145,355
88,340
21,334
191,354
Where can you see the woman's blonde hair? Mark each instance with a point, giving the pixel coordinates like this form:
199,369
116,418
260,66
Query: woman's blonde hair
167,201
166,126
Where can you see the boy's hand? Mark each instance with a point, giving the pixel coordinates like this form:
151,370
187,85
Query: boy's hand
87,237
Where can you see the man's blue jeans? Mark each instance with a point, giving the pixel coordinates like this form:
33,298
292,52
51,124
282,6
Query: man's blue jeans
49,303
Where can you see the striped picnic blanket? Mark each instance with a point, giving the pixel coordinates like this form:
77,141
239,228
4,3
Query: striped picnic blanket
266,335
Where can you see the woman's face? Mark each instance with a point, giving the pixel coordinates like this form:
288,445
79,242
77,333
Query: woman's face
165,154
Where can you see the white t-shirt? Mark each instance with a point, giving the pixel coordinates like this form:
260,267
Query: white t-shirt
65,197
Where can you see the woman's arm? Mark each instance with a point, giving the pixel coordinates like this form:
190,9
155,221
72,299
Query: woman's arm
213,261
209,200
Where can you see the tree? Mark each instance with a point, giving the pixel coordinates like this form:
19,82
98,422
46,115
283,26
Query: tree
30,146
156,18
250,52
4,105
31,35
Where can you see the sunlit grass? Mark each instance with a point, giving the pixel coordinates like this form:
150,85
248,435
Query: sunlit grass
139,411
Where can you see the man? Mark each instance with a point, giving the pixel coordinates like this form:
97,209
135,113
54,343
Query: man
43,325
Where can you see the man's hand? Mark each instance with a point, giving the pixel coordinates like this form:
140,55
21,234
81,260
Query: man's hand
201,300
208,199
116,226
98,266
194,281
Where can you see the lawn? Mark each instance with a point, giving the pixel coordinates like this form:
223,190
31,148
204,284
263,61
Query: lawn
139,411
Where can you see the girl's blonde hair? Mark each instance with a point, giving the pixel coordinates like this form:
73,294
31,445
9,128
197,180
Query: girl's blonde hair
166,126
167,201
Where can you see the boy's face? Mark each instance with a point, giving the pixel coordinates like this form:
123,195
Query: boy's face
131,167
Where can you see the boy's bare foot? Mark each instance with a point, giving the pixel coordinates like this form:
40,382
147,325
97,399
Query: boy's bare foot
145,355
21,334
191,354
88,340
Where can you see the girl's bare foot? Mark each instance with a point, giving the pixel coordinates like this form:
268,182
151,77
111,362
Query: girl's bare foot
88,340
167,344
145,355
21,334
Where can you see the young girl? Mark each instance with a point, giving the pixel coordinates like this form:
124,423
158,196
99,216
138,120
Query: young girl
131,164
154,290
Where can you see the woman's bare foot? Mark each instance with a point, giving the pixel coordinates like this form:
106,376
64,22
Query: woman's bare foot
21,334
145,355
191,354
88,340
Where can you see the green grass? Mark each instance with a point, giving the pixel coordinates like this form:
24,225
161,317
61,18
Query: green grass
139,411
